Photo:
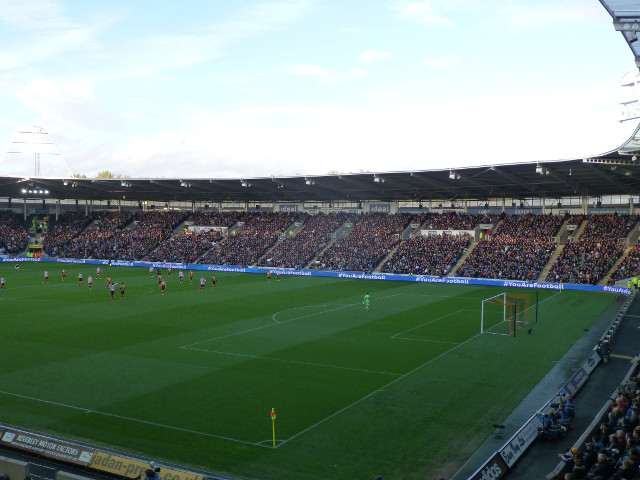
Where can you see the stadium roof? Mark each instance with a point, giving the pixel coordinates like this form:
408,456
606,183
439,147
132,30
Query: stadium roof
612,173
626,20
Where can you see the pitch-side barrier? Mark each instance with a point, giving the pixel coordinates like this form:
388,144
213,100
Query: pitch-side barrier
335,274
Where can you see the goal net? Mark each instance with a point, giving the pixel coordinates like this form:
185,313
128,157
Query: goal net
505,313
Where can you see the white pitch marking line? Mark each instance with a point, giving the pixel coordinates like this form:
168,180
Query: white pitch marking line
427,323
337,307
376,391
384,387
313,364
146,422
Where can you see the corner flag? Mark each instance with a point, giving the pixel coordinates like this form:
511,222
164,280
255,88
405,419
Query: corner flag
273,423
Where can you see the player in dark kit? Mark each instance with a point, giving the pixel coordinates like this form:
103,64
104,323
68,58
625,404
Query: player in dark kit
163,286
213,282
122,287
190,276
64,274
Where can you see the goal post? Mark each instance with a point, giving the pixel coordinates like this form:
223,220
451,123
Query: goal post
505,313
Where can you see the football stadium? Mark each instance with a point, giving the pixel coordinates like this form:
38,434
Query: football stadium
471,323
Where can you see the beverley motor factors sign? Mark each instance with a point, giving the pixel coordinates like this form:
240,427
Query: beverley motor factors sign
49,447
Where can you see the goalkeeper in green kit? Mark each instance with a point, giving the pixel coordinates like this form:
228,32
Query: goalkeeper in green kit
366,301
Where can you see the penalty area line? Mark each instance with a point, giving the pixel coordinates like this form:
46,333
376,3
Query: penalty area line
295,362
381,389
397,335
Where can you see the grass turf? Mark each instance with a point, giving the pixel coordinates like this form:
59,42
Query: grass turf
406,390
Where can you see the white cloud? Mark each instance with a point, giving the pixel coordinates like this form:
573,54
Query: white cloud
372,56
445,63
310,70
419,11
146,56
34,15
352,31
519,17
321,74
68,105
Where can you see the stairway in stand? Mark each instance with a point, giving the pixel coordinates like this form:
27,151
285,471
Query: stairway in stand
461,260
614,267
549,265
384,260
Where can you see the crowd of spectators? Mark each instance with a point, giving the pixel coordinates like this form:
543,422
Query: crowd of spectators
95,241
247,244
588,259
216,219
613,450
296,251
428,255
184,247
117,235
457,221
585,262
630,267
13,236
146,231
518,250
187,246
68,226
366,244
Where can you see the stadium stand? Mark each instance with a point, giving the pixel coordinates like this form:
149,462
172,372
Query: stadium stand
370,240
297,250
184,247
588,259
13,237
250,242
518,250
68,226
428,255
630,267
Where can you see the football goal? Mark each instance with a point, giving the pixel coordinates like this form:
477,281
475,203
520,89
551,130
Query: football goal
505,313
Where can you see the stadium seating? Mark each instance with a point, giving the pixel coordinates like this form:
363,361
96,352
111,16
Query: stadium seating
519,249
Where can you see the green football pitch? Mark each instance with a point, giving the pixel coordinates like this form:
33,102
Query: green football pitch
408,389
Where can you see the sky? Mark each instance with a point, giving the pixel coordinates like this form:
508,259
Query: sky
251,88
